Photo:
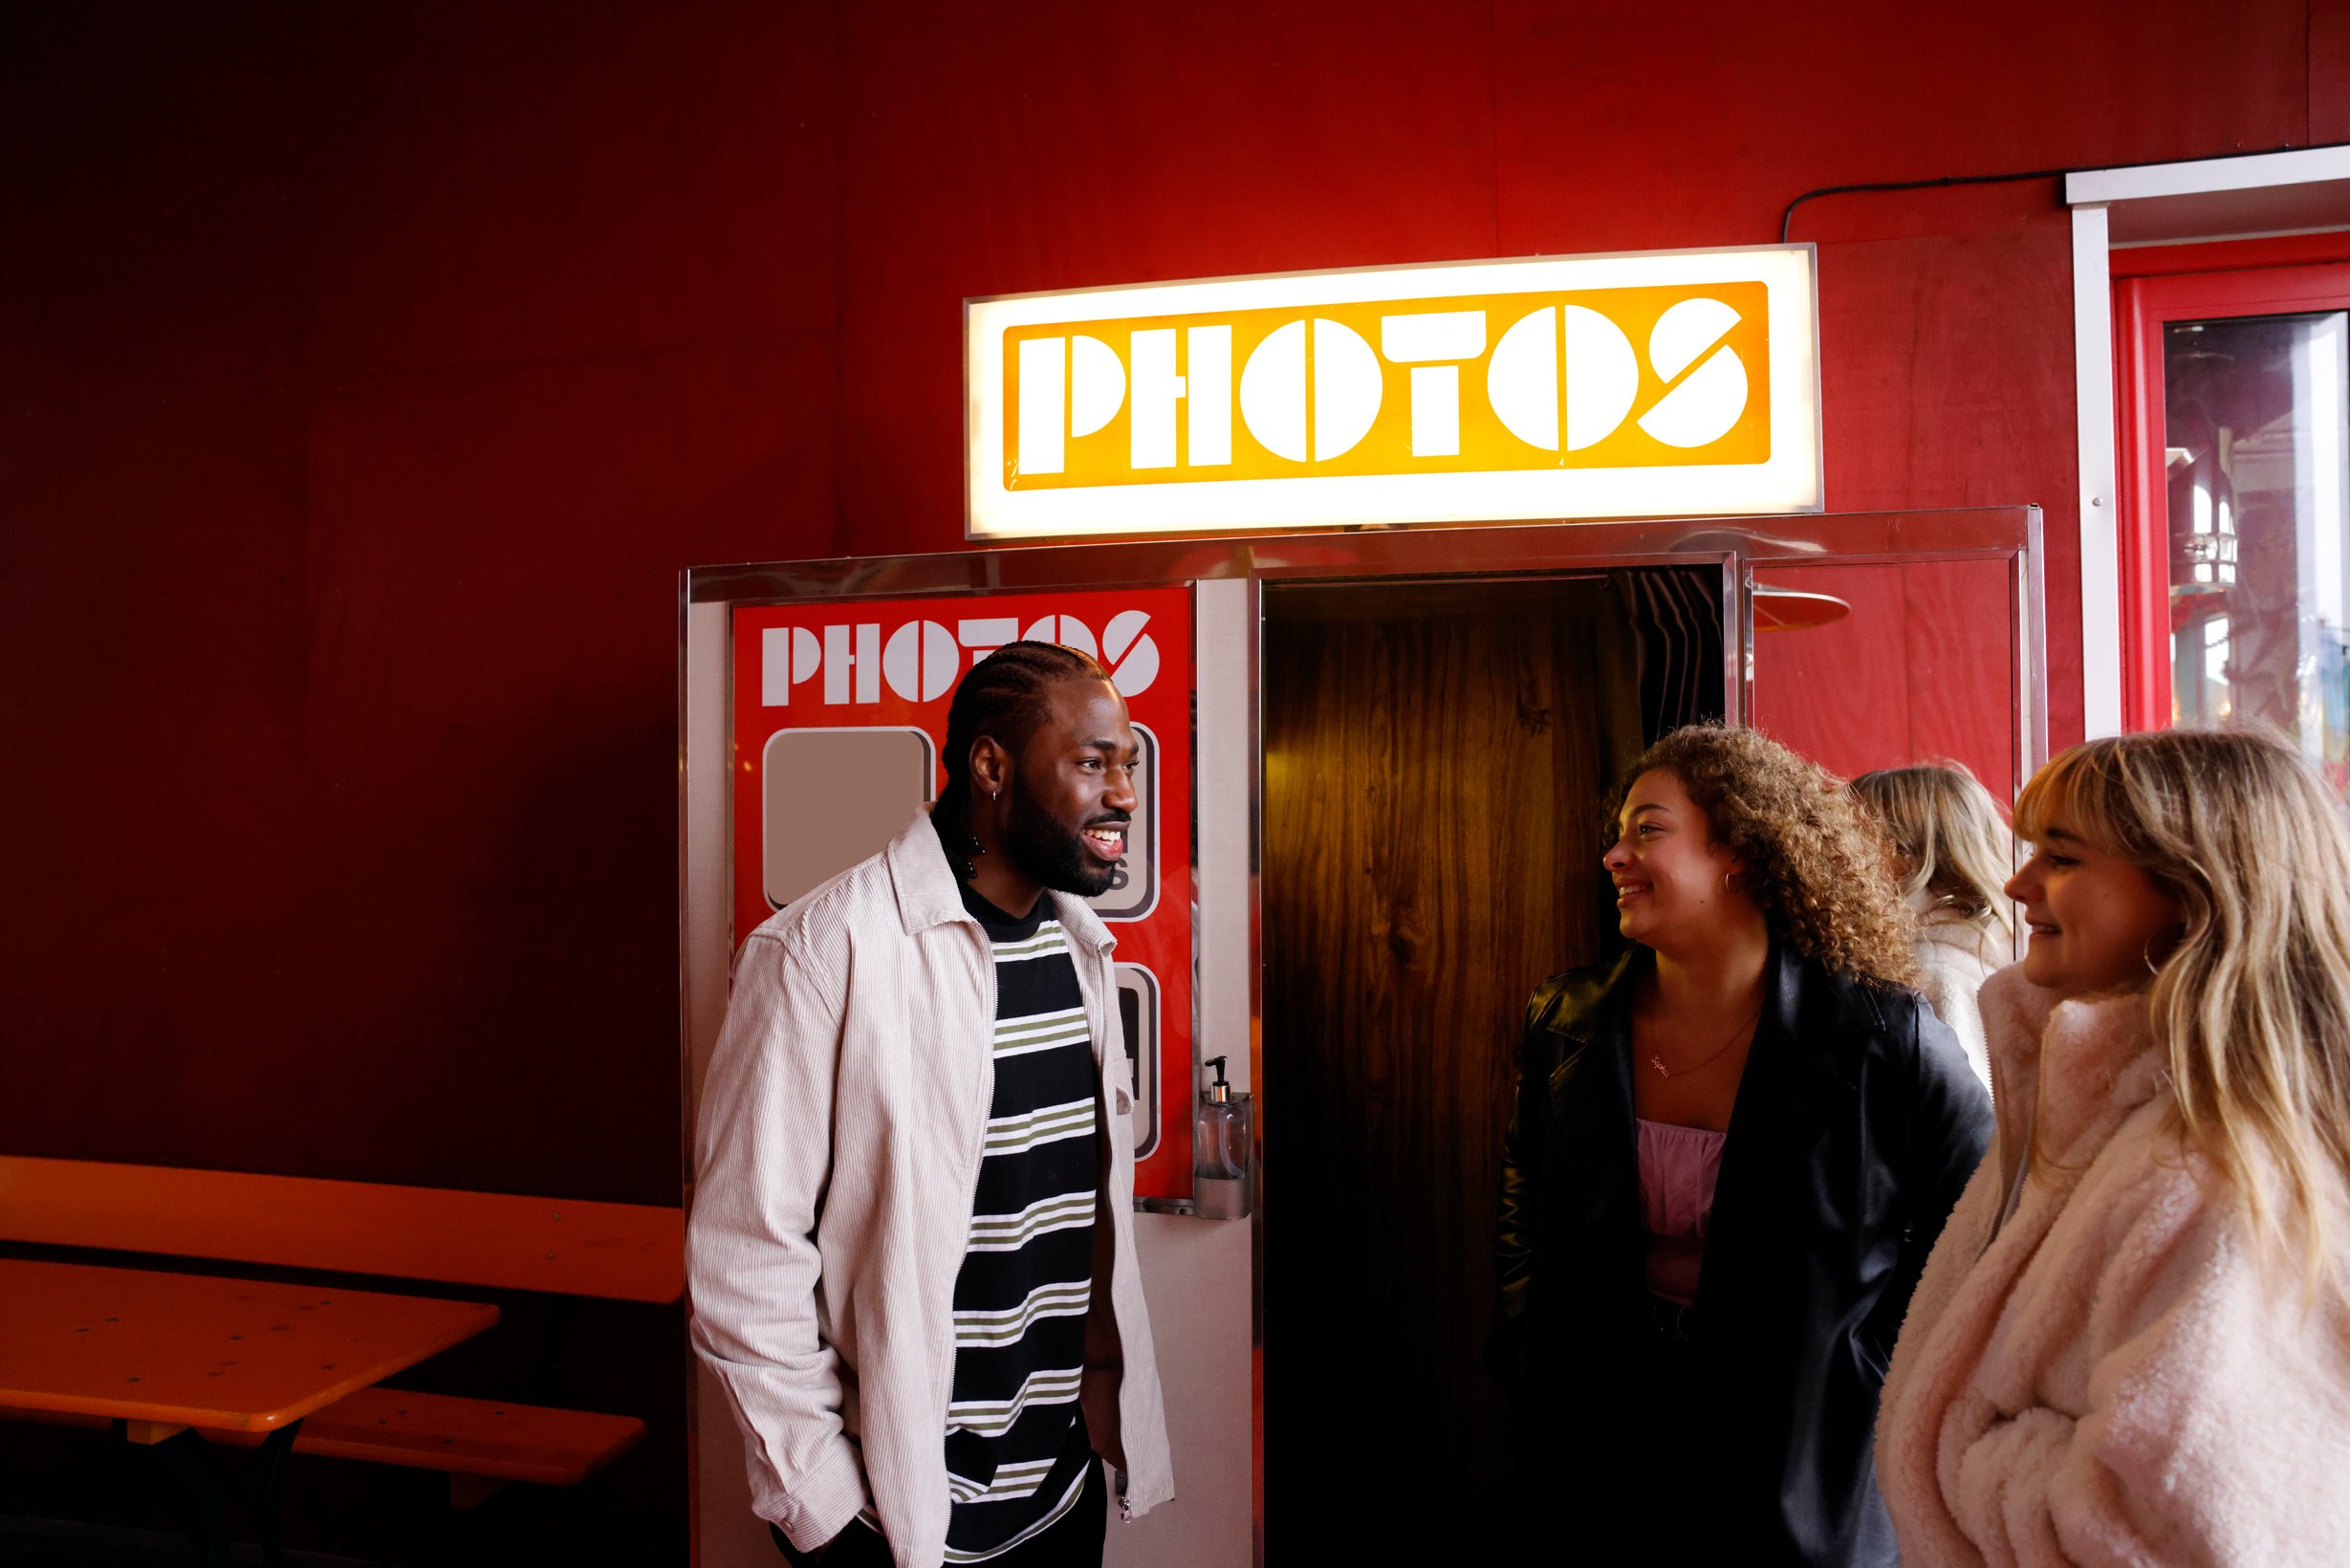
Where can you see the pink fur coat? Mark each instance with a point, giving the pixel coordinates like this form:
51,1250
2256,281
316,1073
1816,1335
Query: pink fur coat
2109,1376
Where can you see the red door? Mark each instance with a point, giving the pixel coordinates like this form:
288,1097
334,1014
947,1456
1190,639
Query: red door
2233,407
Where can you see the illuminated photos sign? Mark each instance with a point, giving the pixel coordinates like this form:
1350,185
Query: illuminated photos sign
1671,384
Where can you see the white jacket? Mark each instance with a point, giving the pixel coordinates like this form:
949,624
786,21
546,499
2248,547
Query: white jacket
2110,1376
1955,956
840,1145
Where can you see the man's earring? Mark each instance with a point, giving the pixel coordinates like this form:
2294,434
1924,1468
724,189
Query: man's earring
994,793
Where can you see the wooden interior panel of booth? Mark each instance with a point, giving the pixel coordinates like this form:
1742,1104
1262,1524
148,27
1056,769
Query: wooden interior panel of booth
1434,764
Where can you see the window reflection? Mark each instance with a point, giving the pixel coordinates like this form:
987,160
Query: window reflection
2258,446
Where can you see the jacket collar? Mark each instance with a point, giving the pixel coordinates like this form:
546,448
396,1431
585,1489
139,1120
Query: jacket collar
1790,986
1605,1009
928,894
2064,1074
1941,929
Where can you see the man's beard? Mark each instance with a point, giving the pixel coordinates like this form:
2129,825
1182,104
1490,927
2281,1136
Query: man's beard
1046,850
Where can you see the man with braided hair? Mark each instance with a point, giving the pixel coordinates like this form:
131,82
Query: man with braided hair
912,1249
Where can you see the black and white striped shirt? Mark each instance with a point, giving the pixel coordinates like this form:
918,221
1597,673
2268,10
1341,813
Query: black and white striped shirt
1017,1445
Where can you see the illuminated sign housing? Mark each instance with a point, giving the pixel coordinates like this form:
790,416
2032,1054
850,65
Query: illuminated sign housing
1665,383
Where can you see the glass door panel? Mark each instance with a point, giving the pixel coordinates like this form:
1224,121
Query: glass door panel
1864,664
2234,445
2255,443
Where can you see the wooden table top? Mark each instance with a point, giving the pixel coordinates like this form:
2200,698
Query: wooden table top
233,1355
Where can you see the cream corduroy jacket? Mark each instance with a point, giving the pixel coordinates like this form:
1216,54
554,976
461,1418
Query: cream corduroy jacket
2109,1376
839,1144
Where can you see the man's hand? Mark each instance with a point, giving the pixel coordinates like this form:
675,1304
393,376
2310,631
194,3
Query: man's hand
859,1545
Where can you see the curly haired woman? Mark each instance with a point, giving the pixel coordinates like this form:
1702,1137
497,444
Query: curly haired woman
2133,1344
1731,1154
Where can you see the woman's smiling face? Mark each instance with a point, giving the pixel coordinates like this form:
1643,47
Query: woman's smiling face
1672,881
2098,922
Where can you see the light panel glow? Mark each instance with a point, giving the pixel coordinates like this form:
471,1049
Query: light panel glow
1668,384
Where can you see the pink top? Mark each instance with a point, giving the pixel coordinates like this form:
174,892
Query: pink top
1678,1168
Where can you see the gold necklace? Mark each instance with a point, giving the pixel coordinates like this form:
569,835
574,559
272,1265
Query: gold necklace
1657,1062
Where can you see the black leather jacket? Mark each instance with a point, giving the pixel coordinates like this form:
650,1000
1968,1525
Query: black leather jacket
1856,1126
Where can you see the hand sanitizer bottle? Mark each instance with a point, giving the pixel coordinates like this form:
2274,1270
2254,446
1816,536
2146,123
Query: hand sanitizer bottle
1222,1138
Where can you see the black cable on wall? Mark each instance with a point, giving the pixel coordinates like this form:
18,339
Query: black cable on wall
1787,221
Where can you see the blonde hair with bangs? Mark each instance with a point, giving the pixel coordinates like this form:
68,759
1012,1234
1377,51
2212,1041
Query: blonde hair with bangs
2252,1008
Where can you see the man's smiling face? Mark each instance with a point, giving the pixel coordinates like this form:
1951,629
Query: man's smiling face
1072,797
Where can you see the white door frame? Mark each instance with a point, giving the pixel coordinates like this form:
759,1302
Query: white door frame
2261,194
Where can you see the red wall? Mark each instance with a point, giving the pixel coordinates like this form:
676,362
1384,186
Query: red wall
369,371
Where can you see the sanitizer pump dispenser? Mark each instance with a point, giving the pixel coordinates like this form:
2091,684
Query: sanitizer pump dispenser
1222,1137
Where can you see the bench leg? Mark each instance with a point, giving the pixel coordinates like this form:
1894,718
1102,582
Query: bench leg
271,1461
472,1491
182,1457
555,1335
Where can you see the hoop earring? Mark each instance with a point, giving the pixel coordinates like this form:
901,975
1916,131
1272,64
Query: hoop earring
2147,952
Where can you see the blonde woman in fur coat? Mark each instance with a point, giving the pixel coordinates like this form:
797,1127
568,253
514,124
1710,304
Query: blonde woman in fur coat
2132,1342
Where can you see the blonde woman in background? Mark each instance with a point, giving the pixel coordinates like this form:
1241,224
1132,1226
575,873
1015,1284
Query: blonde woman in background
2132,1341
1954,859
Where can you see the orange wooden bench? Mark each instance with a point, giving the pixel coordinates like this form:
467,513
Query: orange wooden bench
482,1443
617,1251
614,1251
496,1440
